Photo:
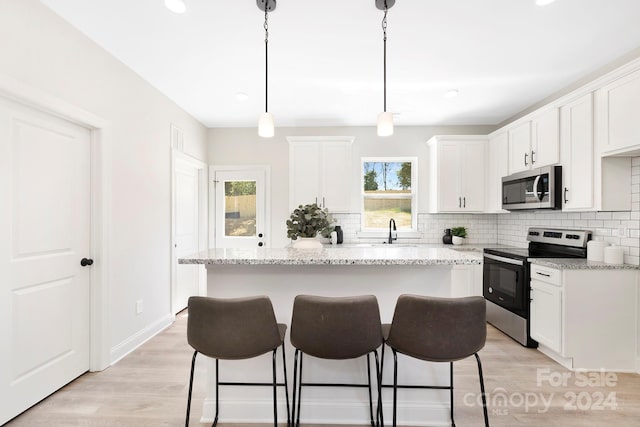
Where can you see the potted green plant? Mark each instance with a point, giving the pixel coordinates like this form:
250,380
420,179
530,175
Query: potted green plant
306,222
459,234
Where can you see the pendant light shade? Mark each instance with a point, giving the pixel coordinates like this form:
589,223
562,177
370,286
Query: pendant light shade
265,122
385,119
265,125
385,124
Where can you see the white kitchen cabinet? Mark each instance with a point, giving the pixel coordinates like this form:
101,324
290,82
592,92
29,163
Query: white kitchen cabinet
498,167
617,105
546,314
534,142
585,318
576,154
320,171
458,173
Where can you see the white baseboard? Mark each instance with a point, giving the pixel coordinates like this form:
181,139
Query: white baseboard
133,342
324,412
567,362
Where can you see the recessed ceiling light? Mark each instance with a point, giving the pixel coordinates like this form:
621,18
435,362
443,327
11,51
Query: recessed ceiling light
544,2
451,93
241,96
176,6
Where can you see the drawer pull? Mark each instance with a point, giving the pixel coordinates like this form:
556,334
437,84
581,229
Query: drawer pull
543,274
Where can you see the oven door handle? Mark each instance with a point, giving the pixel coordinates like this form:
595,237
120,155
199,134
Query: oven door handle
504,259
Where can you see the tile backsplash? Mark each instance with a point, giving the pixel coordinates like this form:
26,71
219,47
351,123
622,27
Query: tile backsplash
618,228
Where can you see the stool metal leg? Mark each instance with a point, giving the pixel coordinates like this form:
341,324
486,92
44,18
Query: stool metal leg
395,385
286,386
484,398
297,387
369,385
215,420
193,364
453,423
275,388
380,421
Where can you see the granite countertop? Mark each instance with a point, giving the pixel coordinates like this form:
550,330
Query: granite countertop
579,264
340,255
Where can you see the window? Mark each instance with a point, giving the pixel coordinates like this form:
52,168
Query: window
389,191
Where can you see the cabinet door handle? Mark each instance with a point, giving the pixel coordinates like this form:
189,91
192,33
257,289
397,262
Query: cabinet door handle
533,160
543,274
565,195
525,159
323,205
316,200
464,202
459,202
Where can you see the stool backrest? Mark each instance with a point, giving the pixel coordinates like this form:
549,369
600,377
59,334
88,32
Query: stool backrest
336,327
438,329
232,328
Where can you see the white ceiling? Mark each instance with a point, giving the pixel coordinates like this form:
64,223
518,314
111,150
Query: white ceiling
325,57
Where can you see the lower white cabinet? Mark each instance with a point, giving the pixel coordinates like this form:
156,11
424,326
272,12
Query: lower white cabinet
546,314
586,318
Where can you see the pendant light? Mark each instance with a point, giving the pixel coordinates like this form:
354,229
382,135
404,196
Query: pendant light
265,123
385,119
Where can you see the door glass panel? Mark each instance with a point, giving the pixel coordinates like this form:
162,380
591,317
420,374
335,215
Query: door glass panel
240,208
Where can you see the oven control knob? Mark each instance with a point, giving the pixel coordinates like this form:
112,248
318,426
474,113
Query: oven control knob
490,290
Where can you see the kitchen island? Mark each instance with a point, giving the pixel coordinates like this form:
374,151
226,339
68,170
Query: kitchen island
383,271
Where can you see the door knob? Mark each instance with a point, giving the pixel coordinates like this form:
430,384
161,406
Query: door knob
86,261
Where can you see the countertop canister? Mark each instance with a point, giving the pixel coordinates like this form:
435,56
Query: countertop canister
614,255
595,250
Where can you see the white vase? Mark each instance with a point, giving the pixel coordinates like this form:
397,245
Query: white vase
307,243
457,240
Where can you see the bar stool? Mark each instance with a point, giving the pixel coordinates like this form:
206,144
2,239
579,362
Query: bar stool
437,330
335,328
234,329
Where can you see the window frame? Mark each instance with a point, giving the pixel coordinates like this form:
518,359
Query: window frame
413,195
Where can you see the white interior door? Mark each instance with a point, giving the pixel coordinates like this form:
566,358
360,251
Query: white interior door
240,208
189,226
45,226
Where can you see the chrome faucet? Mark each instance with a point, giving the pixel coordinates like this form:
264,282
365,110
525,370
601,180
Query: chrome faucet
392,222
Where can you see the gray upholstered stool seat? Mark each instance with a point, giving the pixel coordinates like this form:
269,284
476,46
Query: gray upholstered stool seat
335,328
437,330
233,329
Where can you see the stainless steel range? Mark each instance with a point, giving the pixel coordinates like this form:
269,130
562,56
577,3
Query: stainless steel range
506,276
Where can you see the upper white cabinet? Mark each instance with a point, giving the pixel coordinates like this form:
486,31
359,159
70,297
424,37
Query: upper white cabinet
320,171
576,154
498,167
457,173
534,142
618,104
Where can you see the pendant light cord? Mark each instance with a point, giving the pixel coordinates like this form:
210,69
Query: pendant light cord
384,41
266,61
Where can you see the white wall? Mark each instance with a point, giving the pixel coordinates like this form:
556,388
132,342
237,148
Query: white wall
41,50
243,146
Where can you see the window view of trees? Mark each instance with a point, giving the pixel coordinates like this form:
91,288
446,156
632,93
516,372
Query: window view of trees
387,193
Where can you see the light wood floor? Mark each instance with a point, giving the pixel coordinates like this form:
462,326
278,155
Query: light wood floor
149,388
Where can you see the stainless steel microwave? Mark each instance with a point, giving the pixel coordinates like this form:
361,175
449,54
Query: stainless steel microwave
539,188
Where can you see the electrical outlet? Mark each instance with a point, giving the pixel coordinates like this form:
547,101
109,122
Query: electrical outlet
139,307
622,231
